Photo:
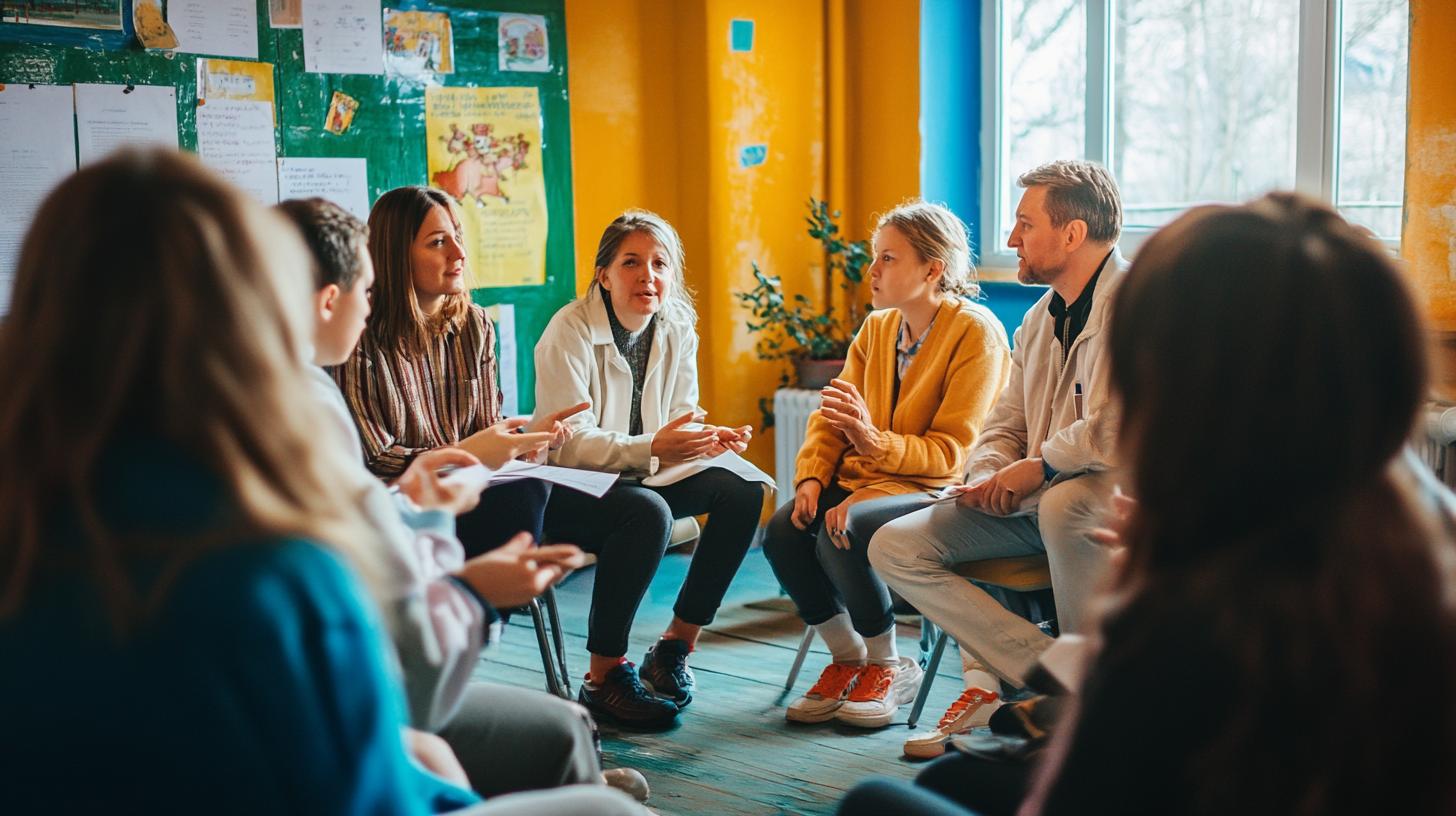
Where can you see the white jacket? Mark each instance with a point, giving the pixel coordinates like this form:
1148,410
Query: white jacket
1037,413
577,361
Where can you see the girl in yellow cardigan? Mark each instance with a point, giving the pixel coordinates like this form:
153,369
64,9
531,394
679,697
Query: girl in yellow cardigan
921,376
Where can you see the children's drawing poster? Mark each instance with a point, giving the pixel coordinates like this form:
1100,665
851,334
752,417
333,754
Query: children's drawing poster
523,44
417,44
484,151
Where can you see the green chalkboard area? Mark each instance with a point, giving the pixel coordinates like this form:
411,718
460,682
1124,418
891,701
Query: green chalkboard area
388,129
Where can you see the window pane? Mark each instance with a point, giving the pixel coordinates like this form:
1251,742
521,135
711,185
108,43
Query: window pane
1204,102
1371,171
1043,92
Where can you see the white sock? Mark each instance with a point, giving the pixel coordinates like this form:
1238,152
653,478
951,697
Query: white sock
976,675
881,648
844,644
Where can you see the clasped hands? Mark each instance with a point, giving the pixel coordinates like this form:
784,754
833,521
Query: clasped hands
1002,493
673,443
842,406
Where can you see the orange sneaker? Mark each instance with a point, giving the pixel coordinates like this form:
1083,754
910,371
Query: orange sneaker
879,692
973,708
827,695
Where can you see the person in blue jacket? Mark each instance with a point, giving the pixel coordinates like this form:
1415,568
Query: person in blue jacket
182,624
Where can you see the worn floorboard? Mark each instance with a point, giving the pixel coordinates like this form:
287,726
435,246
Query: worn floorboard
732,752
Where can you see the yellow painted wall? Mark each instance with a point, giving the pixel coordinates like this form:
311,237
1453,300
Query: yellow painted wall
660,109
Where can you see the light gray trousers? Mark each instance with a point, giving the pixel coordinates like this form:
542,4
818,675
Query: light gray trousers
914,555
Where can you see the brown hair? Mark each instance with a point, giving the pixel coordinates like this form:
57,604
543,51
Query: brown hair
937,235
397,322
334,237
197,334
1271,363
1080,191
679,307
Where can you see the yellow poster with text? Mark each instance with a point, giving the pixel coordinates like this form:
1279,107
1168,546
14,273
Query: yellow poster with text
484,151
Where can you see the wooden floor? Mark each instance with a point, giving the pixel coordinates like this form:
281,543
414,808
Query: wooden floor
733,752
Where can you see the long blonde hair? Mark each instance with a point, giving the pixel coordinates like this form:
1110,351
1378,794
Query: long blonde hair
937,235
679,306
152,299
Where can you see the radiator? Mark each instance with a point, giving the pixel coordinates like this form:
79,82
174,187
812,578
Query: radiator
791,418
1437,446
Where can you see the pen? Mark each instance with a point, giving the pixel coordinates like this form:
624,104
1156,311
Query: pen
1077,400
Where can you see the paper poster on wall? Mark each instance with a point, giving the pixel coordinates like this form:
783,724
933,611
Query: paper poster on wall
103,14
484,150
235,79
418,44
285,13
37,151
342,181
224,28
523,43
340,116
343,37
151,26
113,116
235,138
504,317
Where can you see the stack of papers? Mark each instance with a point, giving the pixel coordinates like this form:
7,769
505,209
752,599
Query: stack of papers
479,477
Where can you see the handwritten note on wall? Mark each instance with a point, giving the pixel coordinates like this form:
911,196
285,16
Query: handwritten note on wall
223,28
37,150
343,37
113,116
235,137
342,181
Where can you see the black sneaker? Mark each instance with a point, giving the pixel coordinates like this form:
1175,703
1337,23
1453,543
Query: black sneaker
622,699
665,671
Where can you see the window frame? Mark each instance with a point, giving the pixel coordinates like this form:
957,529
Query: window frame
1316,137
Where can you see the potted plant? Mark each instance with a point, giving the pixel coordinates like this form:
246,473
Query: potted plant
813,339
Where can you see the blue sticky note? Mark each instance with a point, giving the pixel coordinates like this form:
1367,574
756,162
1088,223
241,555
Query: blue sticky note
752,155
740,36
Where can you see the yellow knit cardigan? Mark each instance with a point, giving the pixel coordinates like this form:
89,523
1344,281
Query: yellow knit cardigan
949,388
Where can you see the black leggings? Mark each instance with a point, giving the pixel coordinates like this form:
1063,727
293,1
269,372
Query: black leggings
504,510
628,529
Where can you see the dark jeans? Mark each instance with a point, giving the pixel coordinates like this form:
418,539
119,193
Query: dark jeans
986,786
824,580
504,510
877,797
628,529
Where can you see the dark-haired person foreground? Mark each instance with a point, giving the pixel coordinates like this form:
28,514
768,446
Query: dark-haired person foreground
183,625
1288,567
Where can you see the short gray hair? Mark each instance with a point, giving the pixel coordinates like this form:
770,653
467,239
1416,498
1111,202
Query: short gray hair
1081,191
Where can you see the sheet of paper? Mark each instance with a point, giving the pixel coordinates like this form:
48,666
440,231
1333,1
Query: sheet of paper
223,28
37,151
342,181
235,138
504,315
591,482
111,116
343,37
728,460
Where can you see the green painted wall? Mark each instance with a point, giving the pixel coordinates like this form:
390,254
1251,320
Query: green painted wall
388,130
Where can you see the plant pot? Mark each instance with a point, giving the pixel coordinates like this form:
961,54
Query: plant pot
816,373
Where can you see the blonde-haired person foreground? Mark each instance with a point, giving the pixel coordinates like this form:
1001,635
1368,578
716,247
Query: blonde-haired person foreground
628,349
177,590
920,378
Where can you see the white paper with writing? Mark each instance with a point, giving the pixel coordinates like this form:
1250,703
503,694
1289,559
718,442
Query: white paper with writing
37,151
222,28
342,181
110,116
728,460
591,482
343,37
235,138
505,314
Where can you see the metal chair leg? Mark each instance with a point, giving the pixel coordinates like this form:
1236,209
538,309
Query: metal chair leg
930,669
559,639
548,660
799,659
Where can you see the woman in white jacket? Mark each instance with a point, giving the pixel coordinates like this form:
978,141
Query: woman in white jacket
629,349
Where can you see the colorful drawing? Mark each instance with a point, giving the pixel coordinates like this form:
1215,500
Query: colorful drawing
418,44
342,108
484,151
104,14
152,30
523,43
285,13
234,79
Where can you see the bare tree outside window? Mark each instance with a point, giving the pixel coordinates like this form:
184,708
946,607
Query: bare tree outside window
1375,38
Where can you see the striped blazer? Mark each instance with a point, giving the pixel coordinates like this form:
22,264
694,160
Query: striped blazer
404,403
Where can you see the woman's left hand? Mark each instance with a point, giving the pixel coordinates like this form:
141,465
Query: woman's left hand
844,408
836,520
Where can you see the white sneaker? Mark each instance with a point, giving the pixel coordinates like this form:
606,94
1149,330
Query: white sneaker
879,692
826,696
971,710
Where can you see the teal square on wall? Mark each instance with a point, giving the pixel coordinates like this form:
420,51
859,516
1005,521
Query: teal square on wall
740,35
